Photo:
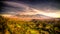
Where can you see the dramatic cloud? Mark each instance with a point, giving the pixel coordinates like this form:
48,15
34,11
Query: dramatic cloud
15,8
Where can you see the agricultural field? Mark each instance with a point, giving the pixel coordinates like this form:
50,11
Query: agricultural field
12,26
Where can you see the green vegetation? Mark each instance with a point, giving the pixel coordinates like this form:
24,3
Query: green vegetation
9,26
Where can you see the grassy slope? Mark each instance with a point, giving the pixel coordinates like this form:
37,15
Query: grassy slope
17,26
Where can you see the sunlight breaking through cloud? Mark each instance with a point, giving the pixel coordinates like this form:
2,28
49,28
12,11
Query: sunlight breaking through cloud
25,9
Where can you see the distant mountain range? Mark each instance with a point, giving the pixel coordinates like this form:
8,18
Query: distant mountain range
37,16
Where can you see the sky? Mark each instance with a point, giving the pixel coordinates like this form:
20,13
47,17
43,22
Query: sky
49,8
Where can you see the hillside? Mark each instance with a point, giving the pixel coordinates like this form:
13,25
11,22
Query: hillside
15,26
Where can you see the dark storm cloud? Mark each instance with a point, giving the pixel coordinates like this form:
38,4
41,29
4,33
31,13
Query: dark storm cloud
49,5
32,7
41,3
15,7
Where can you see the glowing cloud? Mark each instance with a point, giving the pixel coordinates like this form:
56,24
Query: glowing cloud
25,9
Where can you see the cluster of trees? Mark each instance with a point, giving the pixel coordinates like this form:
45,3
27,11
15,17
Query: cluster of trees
9,26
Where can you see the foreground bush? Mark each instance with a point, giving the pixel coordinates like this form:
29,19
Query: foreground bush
29,27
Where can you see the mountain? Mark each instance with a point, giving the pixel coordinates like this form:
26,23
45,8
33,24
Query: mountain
36,16
29,17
